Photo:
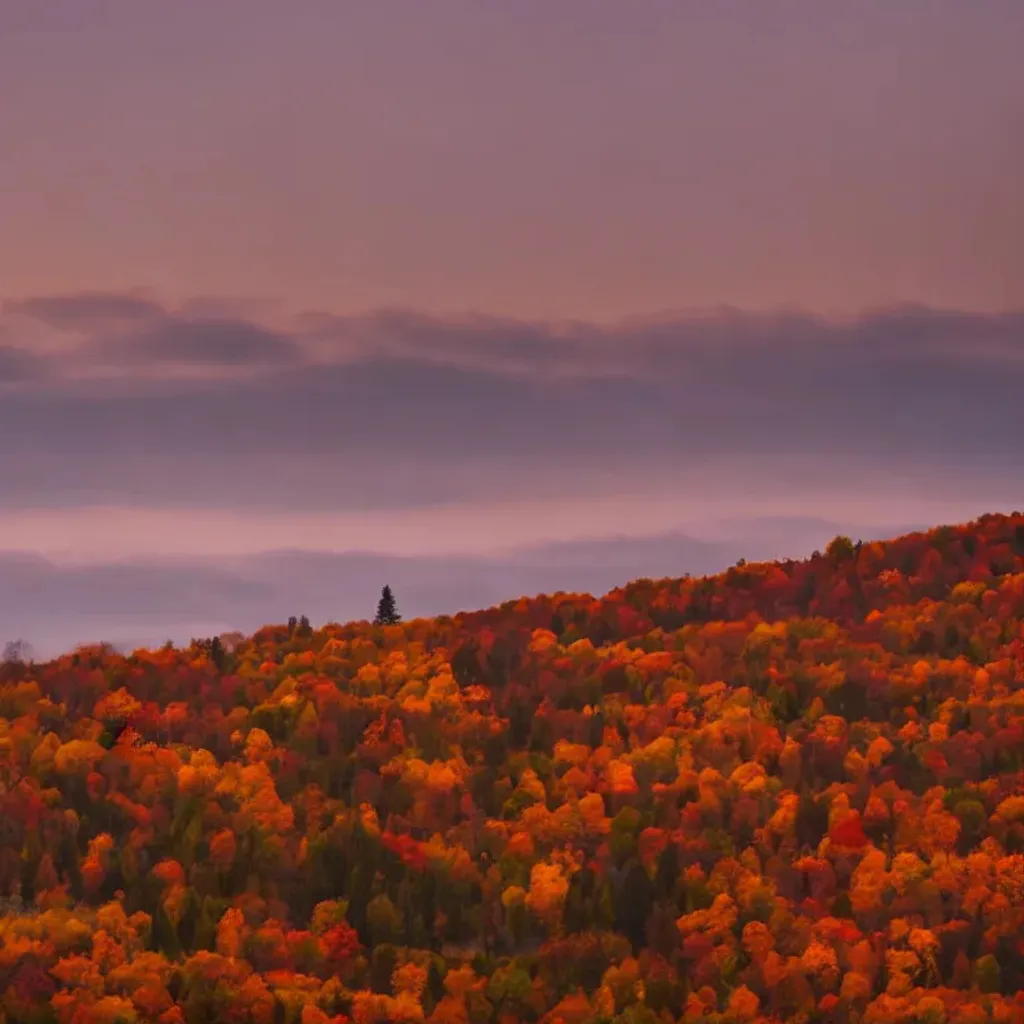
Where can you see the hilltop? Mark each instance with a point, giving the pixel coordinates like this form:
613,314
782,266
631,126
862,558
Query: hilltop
791,791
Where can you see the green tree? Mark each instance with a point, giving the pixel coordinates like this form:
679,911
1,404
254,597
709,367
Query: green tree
385,920
387,612
840,549
987,974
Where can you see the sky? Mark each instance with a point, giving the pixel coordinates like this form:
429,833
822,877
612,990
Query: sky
480,298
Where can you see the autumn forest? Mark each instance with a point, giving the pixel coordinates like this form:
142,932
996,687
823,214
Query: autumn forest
790,792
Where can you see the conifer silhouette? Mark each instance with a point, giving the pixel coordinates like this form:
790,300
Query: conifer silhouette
387,612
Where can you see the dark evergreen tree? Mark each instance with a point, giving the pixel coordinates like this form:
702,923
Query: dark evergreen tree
387,612
218,655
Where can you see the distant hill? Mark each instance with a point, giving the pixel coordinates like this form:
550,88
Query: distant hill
143,602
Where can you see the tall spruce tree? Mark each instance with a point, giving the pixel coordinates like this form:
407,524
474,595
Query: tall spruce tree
387,612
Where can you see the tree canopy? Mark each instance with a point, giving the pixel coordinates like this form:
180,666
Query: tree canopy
790,792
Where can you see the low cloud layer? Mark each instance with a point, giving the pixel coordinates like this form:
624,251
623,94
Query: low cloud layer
17,365
125,375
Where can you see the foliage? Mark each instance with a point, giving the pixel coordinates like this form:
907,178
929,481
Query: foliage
794,791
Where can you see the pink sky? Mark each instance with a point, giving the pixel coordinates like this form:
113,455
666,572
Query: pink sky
587,158
718,496
421,279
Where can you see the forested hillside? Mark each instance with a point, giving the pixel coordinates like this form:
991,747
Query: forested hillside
794,791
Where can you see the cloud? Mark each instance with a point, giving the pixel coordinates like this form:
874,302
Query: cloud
18,365
135,332
225,342
698,341
471,342
719,340
88,311
400,407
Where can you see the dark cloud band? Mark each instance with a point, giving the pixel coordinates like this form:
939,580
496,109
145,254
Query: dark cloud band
915,380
